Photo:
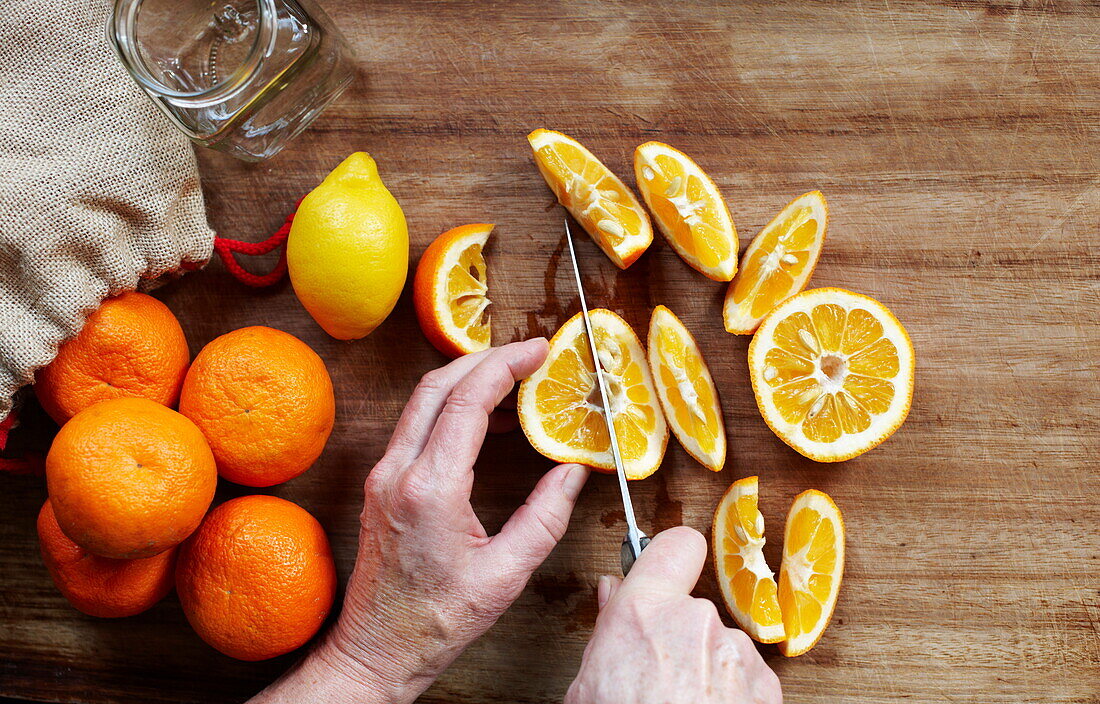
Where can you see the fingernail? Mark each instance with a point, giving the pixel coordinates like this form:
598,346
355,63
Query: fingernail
603,590
574,481
533,344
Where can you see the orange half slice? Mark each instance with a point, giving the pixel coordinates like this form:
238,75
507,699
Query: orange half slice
560,409
813,564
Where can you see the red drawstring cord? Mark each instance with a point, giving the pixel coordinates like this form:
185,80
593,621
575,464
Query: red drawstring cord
5,427
30,463
227,250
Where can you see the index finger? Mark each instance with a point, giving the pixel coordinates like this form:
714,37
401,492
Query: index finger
670,564
413,428
460,429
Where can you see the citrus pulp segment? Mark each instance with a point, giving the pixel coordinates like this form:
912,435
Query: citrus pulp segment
686,390
597,198
688,209
747,583
777,264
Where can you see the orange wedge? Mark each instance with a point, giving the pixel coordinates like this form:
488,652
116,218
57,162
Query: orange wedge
832,372
450,291
600,202
747,583
777,264
813,564
686,389
688,209
560,409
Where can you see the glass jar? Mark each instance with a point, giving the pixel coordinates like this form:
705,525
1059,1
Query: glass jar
241,76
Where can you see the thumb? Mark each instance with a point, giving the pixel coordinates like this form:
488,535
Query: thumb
671,563
536,527
606,589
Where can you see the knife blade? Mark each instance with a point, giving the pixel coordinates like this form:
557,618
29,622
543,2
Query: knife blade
635,540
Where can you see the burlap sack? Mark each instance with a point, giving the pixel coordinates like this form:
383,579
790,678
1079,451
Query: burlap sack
98,192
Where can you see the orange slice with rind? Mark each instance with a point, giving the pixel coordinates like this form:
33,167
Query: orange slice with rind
560,409
607,210
832,372
777,264
748,585
451,291
688,209
813,565
686,390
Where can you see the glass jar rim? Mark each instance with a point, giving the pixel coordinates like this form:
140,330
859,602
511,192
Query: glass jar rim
120,32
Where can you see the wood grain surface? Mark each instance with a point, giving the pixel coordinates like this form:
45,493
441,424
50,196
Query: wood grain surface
957,145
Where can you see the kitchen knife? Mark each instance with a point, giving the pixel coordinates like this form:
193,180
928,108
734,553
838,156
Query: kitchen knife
635,540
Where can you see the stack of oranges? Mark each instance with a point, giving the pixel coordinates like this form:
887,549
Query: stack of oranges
131,480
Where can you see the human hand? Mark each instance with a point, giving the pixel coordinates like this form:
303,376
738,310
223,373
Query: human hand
428,580
654,642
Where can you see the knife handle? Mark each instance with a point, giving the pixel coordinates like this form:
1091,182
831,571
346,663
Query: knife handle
626,553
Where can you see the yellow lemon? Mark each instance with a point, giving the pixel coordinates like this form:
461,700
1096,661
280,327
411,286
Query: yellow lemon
348,250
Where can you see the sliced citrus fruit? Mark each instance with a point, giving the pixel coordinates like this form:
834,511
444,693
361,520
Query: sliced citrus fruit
597,198
450,291
747,583
560,409
777,264
686,389
832,372
688,209
813,563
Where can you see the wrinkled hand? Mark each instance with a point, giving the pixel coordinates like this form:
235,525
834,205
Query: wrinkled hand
428,580
654,643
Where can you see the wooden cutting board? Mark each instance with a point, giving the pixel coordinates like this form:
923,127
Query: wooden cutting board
957,145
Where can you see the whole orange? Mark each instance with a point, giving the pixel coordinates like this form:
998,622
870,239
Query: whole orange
264,401
100,586
129,478
257,579
131,346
